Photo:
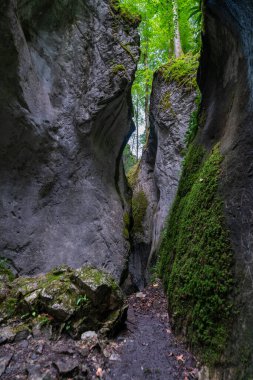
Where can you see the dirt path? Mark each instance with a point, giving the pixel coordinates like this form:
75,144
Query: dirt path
146,349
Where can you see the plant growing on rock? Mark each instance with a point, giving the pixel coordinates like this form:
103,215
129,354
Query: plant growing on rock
196,259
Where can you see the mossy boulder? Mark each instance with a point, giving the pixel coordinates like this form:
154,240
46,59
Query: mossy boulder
77,300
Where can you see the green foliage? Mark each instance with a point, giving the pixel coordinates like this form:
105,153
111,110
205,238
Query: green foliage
139,207
81,300
196,258
182,70
190,24
43,320
157,31
129,159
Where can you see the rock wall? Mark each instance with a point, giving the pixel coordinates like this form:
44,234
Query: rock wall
171,106
65,115
226,83
206,254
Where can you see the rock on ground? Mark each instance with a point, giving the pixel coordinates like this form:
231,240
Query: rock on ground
64,300
147,349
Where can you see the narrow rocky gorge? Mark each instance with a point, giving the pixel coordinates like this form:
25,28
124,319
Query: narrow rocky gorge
157,175
74,233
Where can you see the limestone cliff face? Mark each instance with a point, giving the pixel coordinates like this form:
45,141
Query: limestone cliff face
65,115
159,171
206,257
171,109
226,82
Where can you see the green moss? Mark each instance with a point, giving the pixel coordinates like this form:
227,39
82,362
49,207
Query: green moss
97,277
182,70
196,258
139,207
43,320
20,328
132,174
165,103
8,307
4,270
122,11
116,69
126,220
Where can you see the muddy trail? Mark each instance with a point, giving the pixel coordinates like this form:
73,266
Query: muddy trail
145,349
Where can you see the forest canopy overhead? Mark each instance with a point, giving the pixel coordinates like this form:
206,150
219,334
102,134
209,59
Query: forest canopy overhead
169,28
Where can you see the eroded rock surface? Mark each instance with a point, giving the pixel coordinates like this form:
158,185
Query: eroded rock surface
159,171
65,114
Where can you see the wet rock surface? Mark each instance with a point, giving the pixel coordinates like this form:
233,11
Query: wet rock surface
65,114
146,349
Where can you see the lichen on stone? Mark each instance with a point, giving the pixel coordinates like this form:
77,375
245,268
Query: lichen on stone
165,103
196,259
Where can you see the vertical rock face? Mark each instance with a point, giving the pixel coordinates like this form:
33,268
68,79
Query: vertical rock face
65,115
226,82
171,107
206,254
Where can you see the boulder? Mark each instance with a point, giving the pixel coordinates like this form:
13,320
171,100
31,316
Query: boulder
74,300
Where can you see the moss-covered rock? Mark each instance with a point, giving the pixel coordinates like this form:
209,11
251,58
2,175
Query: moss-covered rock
182,70
196,259
165,103
139,207
81,299
132,175
124,13
116,69
126,228
6,277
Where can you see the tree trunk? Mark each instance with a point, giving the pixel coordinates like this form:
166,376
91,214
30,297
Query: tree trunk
137,128
146,92
178,51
